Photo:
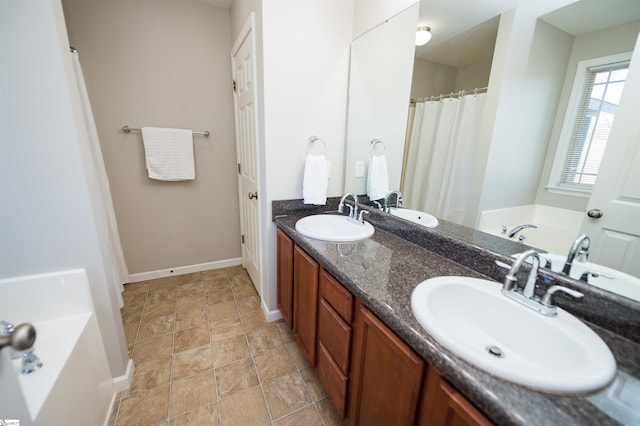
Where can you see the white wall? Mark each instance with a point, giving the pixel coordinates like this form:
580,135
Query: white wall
306,63
369,13
526,79
379,91
46,217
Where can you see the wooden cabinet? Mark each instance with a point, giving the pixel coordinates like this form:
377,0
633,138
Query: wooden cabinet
305,302
335,313
285,276
368,372
443,405
386,375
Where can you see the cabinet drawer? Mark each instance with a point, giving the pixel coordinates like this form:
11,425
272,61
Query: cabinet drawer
334,334
334,382
337,296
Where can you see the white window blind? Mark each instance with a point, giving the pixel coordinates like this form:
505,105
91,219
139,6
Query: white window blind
596,112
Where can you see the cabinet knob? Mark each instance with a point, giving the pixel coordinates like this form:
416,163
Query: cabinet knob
253,195
595,213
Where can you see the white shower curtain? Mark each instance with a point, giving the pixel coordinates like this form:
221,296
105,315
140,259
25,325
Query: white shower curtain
104,215
442,149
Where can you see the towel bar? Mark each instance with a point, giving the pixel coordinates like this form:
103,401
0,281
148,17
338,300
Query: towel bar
313,140
128,129
374,142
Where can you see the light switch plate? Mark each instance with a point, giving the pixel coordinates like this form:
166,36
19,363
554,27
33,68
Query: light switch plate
359,172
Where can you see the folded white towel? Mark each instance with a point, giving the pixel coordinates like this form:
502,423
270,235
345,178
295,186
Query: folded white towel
169,153
315,180
378,178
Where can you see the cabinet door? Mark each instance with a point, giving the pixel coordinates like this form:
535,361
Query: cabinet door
305,302
285,276
385,377
443,405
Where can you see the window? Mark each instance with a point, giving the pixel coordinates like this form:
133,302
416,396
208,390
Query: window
592,108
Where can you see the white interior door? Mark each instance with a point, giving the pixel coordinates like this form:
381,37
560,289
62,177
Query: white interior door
615,236
243,64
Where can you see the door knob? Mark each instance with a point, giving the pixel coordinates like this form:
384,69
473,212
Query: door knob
253,195
595,213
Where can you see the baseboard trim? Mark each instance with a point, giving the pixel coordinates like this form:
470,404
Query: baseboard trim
271,316
182,270
112,406
123,382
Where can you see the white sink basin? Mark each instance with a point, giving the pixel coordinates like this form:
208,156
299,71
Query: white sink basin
608,279
472,318
333,228
415,216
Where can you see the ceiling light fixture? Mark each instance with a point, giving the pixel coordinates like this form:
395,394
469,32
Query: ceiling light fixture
423,35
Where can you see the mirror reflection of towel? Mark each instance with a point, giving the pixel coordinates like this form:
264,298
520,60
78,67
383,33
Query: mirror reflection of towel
378,178
315,180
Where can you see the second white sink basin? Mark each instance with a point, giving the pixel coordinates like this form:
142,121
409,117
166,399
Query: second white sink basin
415,216
334,228
605,278
474,320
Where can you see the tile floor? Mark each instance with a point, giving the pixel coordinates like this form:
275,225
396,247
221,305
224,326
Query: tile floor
205,355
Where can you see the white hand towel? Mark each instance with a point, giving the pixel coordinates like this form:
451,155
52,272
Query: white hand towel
315,180
378,177
169,153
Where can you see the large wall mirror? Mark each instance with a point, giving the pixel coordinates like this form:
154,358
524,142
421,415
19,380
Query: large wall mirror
506,71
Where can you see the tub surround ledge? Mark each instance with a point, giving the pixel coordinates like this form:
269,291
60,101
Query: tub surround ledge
383,271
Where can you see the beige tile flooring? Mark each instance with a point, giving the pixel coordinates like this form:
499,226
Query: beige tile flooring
205,355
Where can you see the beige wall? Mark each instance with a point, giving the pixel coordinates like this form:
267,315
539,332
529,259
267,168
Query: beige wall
473,76
431,78
163,63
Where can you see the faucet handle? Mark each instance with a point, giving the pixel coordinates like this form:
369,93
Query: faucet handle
360,216
7,328
30,362
548,296
595,274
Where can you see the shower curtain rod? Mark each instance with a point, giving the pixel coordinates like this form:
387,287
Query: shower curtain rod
458,94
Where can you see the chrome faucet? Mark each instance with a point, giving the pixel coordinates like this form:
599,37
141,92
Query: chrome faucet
387,197
353,211
519,228
527,296
511,280
580,248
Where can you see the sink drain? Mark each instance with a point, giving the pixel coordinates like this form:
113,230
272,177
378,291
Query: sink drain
495,351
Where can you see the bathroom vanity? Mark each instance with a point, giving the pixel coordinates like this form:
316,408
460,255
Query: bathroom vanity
349,306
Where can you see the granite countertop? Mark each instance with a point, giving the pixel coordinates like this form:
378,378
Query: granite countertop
382,272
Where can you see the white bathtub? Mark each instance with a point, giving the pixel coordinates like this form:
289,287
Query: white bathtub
557,228
74,385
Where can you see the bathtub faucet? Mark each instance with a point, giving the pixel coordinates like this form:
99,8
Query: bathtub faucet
580,248
519,228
